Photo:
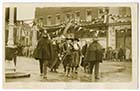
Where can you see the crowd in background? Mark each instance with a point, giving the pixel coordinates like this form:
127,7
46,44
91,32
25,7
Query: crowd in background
110,54
120,54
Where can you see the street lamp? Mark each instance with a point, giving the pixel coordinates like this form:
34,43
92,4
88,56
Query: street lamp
10,48
10,51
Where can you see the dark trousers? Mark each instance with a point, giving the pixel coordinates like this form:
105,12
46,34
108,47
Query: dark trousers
41,65
96,68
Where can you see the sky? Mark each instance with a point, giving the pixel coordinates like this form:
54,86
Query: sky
25,12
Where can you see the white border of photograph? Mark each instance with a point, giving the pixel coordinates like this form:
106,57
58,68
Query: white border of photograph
82,85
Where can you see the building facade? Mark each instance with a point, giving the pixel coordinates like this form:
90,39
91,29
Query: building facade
111,24
58,15
95,19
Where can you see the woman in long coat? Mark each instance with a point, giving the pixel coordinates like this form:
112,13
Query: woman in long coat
83,63
67,59
55,62
121,54
94,56
43,53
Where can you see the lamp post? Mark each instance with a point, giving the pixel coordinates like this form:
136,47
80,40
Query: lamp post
10,48
10,51
10,42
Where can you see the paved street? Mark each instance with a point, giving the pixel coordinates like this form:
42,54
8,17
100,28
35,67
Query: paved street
109,72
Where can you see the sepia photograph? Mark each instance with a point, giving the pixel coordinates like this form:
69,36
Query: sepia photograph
72,45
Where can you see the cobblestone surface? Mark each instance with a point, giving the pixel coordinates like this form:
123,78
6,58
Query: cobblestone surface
109,72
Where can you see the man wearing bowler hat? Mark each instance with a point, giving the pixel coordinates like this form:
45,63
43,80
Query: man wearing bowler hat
43,53
94,56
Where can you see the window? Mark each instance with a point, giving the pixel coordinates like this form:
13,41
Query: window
49,20
103,11
77,16
57,19
88,15
40,21
68,16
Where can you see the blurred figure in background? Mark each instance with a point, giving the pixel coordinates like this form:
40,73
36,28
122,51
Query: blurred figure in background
121,54
127,54
114,54
109,53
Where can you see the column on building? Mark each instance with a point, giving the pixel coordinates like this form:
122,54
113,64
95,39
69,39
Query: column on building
18,33
34,37
111,37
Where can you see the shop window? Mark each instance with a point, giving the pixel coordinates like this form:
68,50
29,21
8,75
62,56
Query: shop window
88,15
49,20
57,19
77,16
68,16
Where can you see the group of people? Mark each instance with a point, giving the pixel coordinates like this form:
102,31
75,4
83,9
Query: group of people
51,53
120,54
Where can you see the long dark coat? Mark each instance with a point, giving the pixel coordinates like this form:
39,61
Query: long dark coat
121,53
94,52
84,49
43,49
55,60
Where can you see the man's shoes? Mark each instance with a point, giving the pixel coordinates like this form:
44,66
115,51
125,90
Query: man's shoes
51,70
45,77
41,74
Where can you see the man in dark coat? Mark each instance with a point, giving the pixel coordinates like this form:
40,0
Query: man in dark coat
94,57
121,54
83,63
43,53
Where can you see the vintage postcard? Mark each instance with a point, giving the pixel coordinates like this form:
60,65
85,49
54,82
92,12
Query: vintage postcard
68,45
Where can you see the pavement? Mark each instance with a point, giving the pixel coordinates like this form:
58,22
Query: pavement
108,69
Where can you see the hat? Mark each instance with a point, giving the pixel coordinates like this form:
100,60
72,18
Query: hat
62,36
76,39
44,33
